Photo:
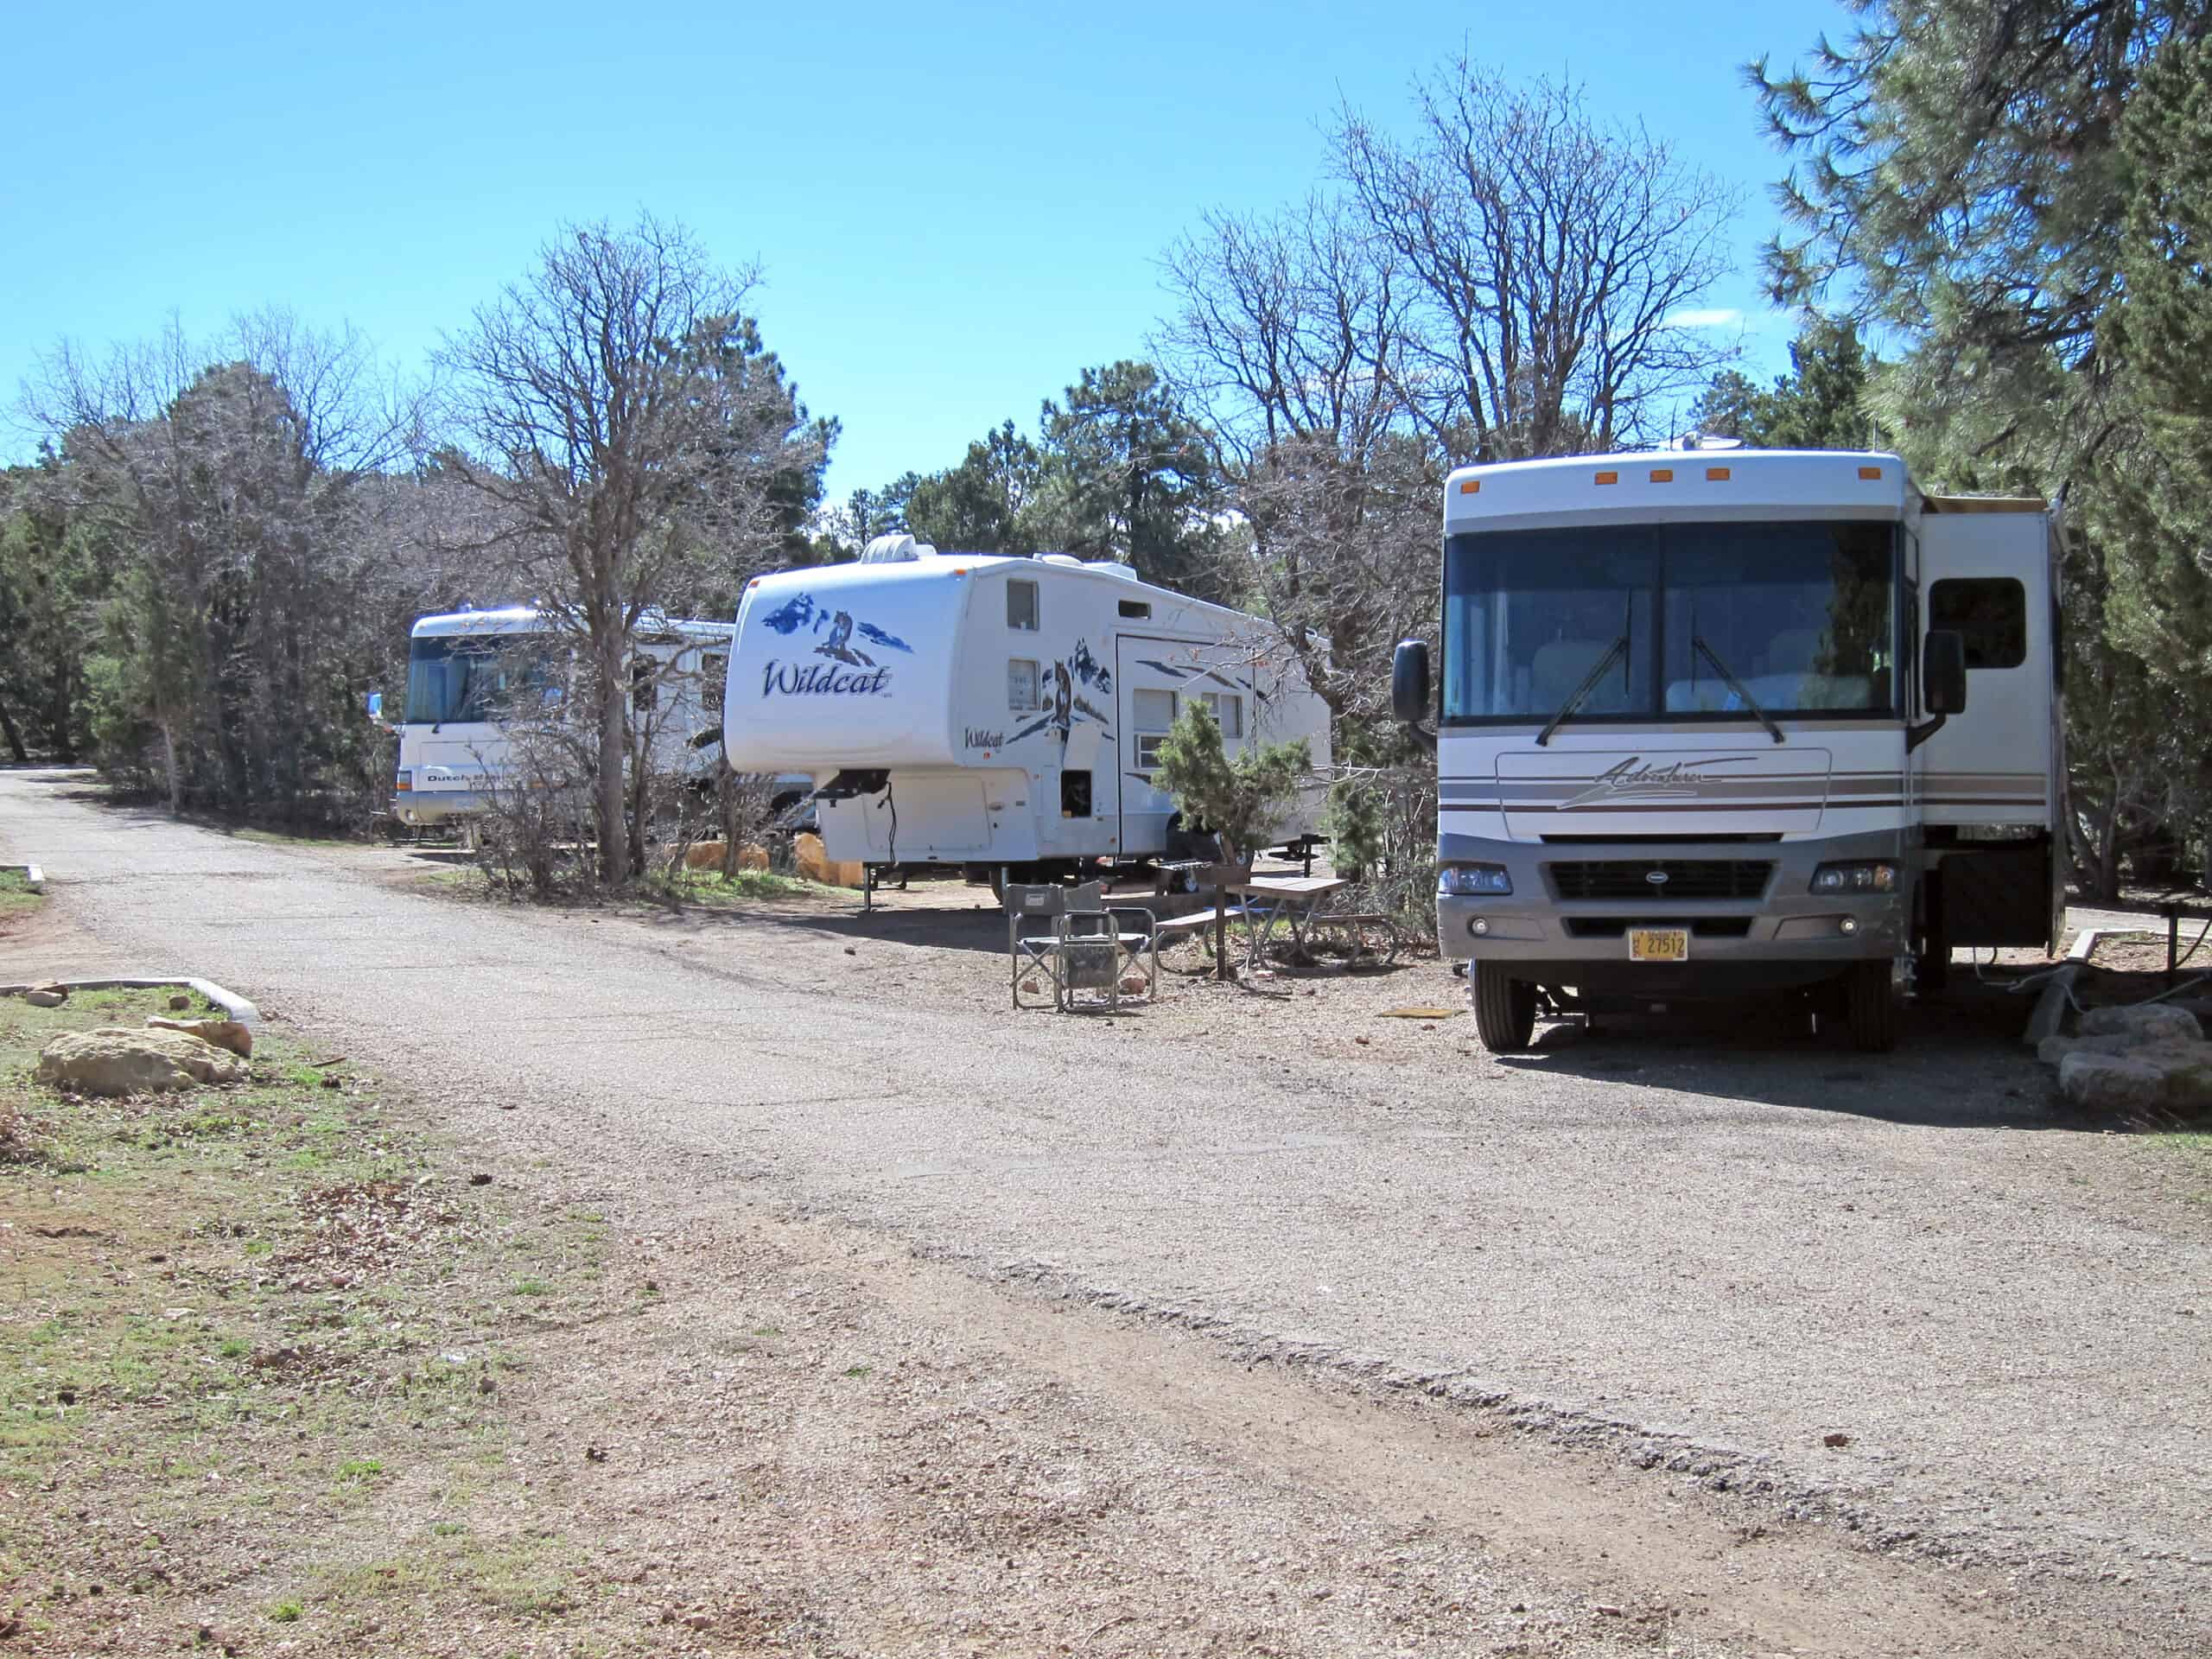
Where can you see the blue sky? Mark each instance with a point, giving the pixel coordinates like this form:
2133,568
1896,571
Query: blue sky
957,207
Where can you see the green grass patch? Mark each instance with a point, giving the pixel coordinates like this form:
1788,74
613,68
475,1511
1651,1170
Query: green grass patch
15,892
239,1300
280,838
709,889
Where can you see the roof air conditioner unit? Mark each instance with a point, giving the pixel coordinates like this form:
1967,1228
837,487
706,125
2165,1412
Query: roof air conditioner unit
896,550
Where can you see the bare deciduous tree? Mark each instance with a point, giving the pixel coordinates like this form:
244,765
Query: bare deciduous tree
1549,258
1507,281
1287,327
618,411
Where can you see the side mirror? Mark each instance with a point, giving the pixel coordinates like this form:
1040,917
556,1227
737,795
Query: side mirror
1409,682
1943,672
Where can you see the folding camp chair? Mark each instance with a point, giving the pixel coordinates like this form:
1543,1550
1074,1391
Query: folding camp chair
1032,932
1100,952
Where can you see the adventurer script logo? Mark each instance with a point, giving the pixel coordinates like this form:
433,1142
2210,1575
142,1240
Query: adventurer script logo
801,615
1633,780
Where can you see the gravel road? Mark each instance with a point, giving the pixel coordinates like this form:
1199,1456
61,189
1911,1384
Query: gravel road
1703,1249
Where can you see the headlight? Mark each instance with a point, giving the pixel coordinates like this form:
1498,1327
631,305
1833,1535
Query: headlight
1873,875
1468,881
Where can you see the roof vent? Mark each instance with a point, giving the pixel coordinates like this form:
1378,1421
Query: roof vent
1696,440
896,550
1113,567
1058,558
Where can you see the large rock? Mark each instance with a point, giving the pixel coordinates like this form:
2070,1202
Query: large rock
2174,1078
116,1060
2052,1051
708,855
815,866
2146,1022
224,1034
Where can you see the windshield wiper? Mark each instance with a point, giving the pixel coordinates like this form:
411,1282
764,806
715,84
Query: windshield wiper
1728,674
1617,650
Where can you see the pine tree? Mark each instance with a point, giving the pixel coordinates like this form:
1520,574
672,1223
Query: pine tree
2155,492
1819,405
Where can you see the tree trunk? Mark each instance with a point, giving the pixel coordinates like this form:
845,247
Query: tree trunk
725,804
61,716
14,739
2109,852
607,799
168,759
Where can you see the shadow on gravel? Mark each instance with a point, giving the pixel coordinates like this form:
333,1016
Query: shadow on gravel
1959,1062
938,929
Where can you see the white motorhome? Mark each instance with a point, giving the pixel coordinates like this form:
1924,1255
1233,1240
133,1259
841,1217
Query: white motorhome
1719,720
466,668
999,713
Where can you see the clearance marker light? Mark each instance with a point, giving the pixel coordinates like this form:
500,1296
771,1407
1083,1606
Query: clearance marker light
1870,472
1608,477
1471,487
1716,474
1662,474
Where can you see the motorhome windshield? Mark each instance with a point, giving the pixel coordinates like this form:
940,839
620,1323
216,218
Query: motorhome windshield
464,678
1803,615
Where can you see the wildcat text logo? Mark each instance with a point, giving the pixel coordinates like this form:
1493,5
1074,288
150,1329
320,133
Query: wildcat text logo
821,680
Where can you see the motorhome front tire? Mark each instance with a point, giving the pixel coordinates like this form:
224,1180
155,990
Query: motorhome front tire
1870,1008
1505,1008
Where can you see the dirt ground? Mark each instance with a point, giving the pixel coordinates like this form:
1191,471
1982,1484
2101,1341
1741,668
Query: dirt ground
288,1372
722,1423
292,1372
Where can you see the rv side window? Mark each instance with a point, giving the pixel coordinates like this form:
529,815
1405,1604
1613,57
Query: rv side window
1991,611
1153,712
1022,606
644,688
1021,686
1136,608
1228,711
713,667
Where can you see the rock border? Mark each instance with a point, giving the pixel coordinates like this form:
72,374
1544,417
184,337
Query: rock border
34,877
230,1002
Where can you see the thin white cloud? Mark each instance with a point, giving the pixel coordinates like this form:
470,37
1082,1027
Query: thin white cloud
1709,316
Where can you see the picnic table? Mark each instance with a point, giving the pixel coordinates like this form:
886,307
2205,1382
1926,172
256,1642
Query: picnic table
1295,901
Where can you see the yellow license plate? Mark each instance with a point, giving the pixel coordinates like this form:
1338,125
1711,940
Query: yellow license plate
1658,944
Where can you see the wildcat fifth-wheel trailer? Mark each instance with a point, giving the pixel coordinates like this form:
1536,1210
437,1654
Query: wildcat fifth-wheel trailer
1004,714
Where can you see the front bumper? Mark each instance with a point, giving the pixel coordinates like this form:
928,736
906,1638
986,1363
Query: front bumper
1785,937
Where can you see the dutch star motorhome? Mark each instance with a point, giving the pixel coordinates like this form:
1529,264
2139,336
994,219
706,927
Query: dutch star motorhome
467,670
1713,722
999,713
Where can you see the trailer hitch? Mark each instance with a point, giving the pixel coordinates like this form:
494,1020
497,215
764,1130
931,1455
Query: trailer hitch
846,784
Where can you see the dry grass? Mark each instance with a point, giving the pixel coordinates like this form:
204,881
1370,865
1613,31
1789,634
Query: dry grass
249,1335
